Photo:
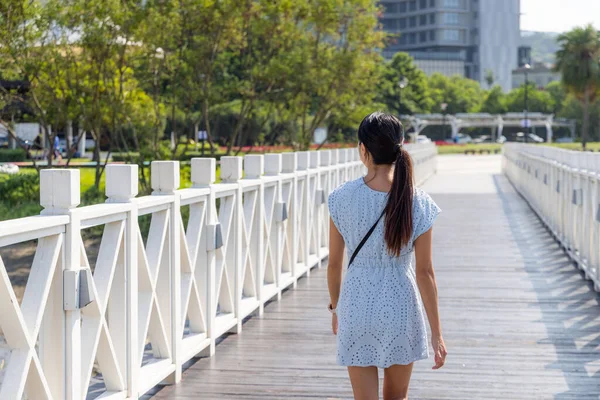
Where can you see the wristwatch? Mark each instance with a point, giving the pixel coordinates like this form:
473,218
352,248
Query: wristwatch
331,309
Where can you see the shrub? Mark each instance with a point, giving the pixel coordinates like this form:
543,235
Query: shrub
125,157
12,155
19,188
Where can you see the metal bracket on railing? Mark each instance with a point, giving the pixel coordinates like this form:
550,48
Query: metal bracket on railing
214,237
557,186
536,173
598,214
320,197
77,289
545,179
577,197
281,213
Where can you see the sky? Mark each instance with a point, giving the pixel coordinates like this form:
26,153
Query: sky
558,15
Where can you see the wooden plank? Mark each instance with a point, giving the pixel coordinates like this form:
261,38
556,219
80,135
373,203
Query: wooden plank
519,320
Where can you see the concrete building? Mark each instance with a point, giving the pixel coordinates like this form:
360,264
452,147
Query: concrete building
468,37
539,73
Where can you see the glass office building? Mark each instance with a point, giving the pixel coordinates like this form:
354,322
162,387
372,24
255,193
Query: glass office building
470,37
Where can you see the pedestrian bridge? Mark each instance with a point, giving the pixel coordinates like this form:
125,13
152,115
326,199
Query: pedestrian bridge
218,291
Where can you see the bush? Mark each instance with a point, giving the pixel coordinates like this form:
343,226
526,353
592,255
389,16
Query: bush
125,157
194,154
20,188
12,155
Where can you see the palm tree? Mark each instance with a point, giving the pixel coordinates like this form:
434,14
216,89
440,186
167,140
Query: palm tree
578,60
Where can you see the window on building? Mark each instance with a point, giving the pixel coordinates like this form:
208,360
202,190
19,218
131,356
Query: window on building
432,19
390,24
431,3
422,37
402,23
412,5
402,39
423,20
451,19
390,7
431,36
451,35
402,7
452,3
423,4
412,22
412,38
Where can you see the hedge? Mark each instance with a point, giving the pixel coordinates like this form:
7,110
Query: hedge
12,155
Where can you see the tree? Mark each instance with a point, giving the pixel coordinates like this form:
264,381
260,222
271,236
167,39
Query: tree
462,95
489,78
578,60
537,100
414,98
494,102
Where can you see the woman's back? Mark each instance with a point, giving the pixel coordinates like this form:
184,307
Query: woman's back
354,207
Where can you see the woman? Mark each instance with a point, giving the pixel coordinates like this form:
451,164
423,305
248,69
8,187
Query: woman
377,313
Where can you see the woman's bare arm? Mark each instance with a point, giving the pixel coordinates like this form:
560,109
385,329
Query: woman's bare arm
428,289
334,269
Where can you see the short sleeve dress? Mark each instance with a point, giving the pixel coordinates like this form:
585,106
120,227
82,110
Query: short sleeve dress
380,312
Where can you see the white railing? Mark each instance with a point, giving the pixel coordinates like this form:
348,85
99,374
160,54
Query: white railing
161,298
563,187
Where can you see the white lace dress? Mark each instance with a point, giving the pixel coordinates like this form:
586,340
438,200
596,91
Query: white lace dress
380,312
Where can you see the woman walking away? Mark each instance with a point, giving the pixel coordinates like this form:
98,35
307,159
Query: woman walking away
377,313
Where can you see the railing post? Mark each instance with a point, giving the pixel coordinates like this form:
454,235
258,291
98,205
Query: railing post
304,223
231,172
60,195
122,187
254,167
325,177
289,165
204,176
273,168
165,182
315,206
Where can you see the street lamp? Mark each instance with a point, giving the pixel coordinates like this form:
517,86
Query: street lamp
527,68
444,106
401,84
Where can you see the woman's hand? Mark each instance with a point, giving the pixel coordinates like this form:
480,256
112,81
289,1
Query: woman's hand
334,324
439,348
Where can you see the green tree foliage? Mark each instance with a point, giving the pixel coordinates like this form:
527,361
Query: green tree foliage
537,100
494,101
462,95
414,97
578,60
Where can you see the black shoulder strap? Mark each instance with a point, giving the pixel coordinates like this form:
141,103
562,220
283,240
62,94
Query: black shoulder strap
364,240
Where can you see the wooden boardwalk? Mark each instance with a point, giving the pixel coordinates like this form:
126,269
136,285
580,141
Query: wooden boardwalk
519,320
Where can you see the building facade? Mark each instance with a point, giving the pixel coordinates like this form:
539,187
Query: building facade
476,38
539,74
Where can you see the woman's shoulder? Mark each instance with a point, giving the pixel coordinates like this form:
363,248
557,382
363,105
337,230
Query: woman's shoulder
347,188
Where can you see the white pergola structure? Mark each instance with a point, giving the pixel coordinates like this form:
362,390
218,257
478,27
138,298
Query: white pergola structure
482,120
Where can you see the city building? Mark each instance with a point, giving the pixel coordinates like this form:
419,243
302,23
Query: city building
471,38
541,74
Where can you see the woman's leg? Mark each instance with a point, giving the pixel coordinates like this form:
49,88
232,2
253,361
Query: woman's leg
395,382
365,382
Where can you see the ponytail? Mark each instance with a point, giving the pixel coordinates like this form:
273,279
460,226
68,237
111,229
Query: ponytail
398,225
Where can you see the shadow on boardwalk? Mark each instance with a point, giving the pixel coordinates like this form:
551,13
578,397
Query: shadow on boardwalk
568,302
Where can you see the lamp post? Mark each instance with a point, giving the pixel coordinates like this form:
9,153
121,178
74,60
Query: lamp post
444,106
526,112
401,84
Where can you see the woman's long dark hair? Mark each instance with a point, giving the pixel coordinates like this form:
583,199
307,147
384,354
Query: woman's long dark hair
383,136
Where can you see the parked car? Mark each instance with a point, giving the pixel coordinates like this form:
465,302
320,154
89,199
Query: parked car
463,138
502,139
423,139
531,137
483,139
